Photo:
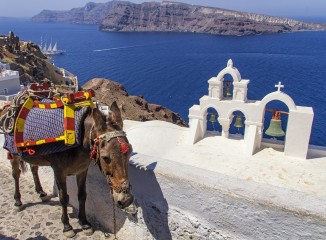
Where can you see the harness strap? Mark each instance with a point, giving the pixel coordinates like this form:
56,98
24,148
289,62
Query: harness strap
107,137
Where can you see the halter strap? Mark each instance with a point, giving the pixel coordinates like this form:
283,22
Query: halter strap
109,135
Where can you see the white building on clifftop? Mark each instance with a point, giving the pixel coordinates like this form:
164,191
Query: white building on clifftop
9,82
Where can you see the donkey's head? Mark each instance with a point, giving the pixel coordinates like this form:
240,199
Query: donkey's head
111,151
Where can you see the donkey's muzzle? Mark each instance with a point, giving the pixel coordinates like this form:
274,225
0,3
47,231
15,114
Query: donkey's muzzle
126,201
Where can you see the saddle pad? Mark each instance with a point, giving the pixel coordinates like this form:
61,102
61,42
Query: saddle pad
47,123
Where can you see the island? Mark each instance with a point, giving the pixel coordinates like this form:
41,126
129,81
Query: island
169,16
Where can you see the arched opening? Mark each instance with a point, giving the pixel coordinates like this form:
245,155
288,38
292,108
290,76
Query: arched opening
227,86
237,126
213,126
275,122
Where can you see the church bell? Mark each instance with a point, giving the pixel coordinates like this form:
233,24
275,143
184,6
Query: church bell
228,90
212,118
238,121
275,126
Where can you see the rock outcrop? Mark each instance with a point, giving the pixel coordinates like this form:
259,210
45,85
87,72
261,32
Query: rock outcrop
174,17
132,107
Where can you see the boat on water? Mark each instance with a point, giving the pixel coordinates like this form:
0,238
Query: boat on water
49,49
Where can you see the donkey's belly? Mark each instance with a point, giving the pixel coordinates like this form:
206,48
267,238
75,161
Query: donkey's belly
38,161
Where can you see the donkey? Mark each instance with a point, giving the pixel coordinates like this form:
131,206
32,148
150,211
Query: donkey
104,141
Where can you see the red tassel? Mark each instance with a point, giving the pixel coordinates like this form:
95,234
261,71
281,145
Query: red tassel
94,152
124,147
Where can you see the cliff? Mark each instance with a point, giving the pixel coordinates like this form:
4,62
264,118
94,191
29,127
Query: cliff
91,13
29,61
180,17
132,107
174,17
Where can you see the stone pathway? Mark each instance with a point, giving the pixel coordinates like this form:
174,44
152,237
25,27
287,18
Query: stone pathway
37,220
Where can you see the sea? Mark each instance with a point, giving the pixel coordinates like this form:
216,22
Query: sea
172,69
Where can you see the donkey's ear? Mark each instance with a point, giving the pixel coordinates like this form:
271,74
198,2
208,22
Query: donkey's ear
115,116
98,117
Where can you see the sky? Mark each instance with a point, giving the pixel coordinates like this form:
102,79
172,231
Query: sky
287,8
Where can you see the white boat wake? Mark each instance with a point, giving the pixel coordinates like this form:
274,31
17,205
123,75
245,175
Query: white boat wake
117,48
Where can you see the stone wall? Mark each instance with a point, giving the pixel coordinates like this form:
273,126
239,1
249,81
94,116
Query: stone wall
177,201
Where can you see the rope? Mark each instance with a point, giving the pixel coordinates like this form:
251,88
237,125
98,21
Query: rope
114,219
7,120
52,91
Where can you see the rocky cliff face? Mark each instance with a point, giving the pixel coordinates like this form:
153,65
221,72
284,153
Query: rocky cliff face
31,64
132,107
174,17
92,13
180,17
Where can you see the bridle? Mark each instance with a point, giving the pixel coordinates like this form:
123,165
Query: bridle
125,187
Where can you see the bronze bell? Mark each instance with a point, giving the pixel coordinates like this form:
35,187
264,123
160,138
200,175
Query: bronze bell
212,118
238,121
275,126
228,90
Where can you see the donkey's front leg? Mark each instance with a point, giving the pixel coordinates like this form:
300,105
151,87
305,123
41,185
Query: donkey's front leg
16,174
64,200
38,186
81,182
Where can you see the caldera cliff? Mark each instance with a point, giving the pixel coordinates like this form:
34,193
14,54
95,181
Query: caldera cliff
175,17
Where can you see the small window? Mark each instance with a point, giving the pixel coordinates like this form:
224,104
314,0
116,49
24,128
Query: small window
5,91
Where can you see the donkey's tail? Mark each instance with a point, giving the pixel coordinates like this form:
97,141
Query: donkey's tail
23,166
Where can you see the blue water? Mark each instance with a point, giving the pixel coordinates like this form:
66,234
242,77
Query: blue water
172,69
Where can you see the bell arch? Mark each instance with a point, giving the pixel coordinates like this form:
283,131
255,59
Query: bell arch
280,96
213,125
275,120
237,123
205,114
203,111
229,70
232,110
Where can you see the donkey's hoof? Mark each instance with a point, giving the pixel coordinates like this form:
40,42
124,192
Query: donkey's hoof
19,208
69,233
88,231
87,228
44,196
18,205
45,199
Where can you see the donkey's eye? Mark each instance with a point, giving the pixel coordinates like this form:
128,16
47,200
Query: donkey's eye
102,144
106,159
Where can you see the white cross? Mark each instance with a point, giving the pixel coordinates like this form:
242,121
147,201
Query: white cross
279,86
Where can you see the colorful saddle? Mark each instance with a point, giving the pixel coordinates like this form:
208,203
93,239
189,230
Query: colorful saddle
50,125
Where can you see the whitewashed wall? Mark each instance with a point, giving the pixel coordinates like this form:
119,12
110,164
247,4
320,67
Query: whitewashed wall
177,201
